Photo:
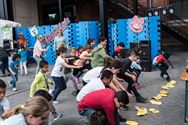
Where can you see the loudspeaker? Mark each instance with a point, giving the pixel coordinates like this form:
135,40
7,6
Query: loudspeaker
134,45
145,46
6,44
146,64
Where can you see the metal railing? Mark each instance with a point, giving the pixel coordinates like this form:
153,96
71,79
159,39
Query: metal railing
170,20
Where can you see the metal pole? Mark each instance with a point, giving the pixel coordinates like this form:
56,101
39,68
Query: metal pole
60,10
103,17
135,6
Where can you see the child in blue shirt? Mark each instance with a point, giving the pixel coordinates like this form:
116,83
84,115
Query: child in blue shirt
13,67
23,59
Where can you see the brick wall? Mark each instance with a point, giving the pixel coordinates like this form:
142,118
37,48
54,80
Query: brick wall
156,3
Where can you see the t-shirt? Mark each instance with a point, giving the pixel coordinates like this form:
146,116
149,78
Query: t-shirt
58,69
5,105
59,41
93,85
160,59
14,66
81,61
14,120
23,54
100,100
22,41
70,62
93,73
72,120
126,67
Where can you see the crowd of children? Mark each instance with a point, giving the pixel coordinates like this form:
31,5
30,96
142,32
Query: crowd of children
102,76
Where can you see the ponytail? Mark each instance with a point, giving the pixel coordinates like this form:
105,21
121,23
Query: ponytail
13,111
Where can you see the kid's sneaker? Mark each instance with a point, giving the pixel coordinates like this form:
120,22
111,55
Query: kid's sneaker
14,89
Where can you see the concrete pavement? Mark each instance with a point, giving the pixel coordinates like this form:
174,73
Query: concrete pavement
171,111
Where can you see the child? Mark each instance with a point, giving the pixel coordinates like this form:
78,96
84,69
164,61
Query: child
35,111
88,105
118,51
129,76
84,60
4,102
23,59
41,81
13,67
159,62
68,71
58,73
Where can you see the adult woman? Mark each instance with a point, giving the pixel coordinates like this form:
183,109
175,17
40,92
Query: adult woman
34,112
38,51
59,41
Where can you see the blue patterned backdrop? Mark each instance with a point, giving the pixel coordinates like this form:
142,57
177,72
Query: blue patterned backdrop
76,34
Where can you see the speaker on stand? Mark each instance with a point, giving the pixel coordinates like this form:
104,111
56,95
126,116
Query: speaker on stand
146,61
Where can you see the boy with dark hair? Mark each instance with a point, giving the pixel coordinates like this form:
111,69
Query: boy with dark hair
99,53
96,84
4,102
129,76
41,81
118,51
13,67
160,62
109,104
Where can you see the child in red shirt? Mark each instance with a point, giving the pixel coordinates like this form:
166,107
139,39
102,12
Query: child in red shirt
160,62
109,104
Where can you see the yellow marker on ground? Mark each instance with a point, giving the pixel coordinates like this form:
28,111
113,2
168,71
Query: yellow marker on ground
163,95
165,87
158,97
154,102
155,111
141,111
131,123
163,92
173,82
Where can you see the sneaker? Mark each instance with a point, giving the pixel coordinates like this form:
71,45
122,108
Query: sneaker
141,99
168,79
162,76
58,117
14,89
55,102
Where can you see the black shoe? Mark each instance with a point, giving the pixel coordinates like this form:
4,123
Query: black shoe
168,78
77,92
141,99
124,108
162,76
121,119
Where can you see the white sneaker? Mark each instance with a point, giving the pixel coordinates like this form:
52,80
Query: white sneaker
55,102
14,89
